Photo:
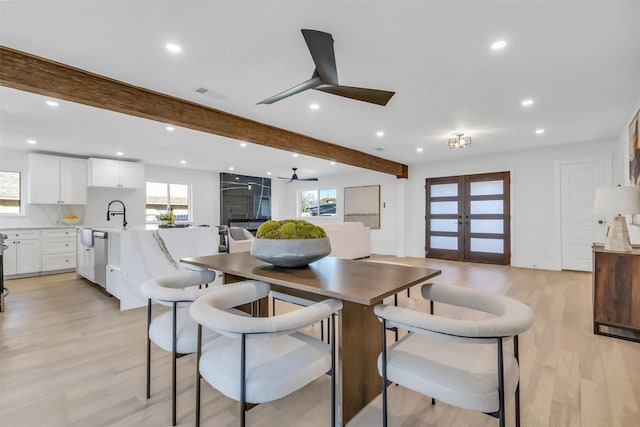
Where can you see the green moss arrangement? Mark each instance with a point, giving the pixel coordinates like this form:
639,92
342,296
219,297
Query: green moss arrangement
290,229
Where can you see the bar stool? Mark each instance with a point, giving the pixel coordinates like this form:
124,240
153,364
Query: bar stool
174,331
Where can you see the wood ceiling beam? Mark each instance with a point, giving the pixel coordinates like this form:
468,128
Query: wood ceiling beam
23,71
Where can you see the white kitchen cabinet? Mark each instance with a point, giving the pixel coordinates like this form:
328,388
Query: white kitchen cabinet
84,259
57,180
114,173
23,254
58,249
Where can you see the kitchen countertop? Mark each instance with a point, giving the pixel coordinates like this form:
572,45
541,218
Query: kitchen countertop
39,227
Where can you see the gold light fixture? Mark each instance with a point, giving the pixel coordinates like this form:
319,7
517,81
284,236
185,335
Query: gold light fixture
459,141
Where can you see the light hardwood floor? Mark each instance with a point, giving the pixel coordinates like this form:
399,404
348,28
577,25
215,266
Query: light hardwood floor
69,357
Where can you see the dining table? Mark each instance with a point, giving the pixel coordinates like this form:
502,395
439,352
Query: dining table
359,284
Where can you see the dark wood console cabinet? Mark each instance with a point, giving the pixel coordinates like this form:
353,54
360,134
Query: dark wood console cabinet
616,293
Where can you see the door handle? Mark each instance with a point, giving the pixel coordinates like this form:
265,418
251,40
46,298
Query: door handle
600,222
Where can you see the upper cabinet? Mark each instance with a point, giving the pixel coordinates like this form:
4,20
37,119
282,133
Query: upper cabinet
114,173
57,180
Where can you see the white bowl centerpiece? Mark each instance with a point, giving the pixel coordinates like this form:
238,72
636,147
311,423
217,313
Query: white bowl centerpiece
290,243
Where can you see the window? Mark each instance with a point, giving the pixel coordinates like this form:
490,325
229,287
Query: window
162,196
10,192
317,202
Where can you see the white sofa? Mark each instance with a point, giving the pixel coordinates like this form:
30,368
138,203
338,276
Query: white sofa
350,240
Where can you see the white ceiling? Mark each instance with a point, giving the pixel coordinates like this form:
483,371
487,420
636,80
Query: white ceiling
578,60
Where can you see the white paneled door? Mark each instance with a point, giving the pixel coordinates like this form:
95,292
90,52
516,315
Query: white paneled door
580,228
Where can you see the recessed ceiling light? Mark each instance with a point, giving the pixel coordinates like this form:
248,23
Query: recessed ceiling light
184,162
333,163
380,134
295,155
527,102
500,44
419,149
231,168
539,131
170,128
243,144
268,173
52,103
314,106
120,153
31,141
172,47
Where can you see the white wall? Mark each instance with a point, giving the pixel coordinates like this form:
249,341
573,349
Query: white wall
535,241
383,240
205,197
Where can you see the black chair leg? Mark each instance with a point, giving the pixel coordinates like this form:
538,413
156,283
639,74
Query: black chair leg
148,350
384,373
333,370
198,377
517,396
173,365
243,362
500,383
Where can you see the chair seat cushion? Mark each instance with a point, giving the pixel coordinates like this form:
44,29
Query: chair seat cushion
460,374
275,367
161,331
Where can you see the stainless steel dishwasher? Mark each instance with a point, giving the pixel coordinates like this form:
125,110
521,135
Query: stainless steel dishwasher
101,254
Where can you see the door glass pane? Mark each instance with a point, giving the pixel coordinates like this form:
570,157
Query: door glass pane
443,242
487,226
486,207
494,246
485,188
444,208
444,225
444,190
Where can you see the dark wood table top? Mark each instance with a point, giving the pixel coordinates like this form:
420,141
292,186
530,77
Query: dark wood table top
356,281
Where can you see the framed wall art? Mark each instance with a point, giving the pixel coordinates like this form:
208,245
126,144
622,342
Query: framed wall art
362,204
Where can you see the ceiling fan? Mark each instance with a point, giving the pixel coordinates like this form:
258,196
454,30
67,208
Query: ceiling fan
325,76
294,177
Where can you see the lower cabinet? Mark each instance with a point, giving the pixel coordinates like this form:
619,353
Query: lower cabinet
84,259
616,293
32,252
23,255
58,249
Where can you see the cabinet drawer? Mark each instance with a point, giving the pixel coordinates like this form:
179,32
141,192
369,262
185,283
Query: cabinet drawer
58,232
58,261
59,245
23,234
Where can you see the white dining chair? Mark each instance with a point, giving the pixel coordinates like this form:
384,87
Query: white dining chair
460,362
174,331
261,359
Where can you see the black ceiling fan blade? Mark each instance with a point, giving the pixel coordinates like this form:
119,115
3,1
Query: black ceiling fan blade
307,179
373,96
309,84
320,46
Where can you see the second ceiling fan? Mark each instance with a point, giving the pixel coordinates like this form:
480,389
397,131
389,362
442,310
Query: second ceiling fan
325,76
294,177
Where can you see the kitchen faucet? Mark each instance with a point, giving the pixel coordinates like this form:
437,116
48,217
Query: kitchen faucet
123,212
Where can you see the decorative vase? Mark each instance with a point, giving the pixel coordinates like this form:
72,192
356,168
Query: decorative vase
290,252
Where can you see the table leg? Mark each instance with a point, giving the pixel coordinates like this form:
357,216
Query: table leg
360,343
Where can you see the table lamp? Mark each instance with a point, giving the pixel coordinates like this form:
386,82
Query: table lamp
617,201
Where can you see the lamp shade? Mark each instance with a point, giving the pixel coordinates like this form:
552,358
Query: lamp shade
617,200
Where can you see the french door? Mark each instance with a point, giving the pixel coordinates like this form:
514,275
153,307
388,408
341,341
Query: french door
468,218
